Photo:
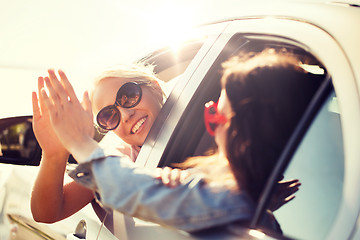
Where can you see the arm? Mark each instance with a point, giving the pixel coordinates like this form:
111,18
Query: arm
50,200
135,191
190,206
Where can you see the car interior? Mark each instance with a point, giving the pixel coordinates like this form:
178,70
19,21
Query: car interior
191,139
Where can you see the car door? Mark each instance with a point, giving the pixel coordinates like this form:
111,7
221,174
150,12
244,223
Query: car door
183,134
175,67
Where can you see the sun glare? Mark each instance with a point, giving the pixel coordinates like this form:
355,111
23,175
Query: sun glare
170,24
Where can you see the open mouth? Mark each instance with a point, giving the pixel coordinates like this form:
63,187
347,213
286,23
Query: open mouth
138,125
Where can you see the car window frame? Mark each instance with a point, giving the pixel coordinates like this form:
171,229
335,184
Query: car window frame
336,62
161,131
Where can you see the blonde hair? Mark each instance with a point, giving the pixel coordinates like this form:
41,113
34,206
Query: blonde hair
139,73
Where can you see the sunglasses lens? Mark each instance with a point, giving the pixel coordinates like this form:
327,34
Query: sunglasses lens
209,113
129,95
212,111
108,118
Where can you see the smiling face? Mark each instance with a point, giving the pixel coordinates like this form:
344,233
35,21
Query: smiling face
136,122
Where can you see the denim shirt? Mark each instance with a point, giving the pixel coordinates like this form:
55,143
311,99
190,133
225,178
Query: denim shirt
193,205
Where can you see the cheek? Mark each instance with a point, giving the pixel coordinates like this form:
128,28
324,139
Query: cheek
119,131
152,106
151,102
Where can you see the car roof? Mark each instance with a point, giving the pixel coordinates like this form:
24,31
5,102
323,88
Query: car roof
336,18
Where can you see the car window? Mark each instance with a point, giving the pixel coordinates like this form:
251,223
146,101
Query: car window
319,165
189,137
18,144
318,162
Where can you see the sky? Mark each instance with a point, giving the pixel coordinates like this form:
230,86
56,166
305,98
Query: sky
81,37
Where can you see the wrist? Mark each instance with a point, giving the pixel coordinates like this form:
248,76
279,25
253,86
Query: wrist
55,156
81,150
56,162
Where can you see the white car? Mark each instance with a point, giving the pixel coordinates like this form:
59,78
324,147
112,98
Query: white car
323,152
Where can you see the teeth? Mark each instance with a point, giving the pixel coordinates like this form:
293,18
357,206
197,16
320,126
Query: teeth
138,125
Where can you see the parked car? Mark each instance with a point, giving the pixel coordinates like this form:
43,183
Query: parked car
322,152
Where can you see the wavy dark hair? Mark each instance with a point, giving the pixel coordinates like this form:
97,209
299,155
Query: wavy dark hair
268,93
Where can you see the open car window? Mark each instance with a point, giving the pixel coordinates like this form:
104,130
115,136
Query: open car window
189,137
310,167
319,165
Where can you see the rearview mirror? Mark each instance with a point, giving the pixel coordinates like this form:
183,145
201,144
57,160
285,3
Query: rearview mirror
18,144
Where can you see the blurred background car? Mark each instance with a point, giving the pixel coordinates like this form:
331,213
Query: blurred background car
322,153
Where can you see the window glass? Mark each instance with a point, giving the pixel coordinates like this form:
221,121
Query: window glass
319,165
17,140
190,137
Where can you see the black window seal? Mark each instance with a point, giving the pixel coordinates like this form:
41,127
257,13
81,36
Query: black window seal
301,129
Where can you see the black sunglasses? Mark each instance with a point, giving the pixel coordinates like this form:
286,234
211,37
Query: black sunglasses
128,96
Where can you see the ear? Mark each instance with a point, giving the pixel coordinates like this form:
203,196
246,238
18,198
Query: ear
157,86
158,89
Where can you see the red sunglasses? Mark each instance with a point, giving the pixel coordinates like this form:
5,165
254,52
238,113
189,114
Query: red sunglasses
212,118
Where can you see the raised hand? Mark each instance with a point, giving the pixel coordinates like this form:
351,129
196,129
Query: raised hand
50,200
44,132
284,193
71,120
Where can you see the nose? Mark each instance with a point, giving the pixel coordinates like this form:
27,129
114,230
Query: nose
126,113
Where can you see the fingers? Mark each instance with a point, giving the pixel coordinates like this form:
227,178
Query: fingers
35,105
39,109
175,177
56,89
86,103
183,175
284,193
286,189
41,85
53,94
68,87
158,173
48,103
293,189
282,185
170,177
62,87
289,182
288,199
165,176
61,92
